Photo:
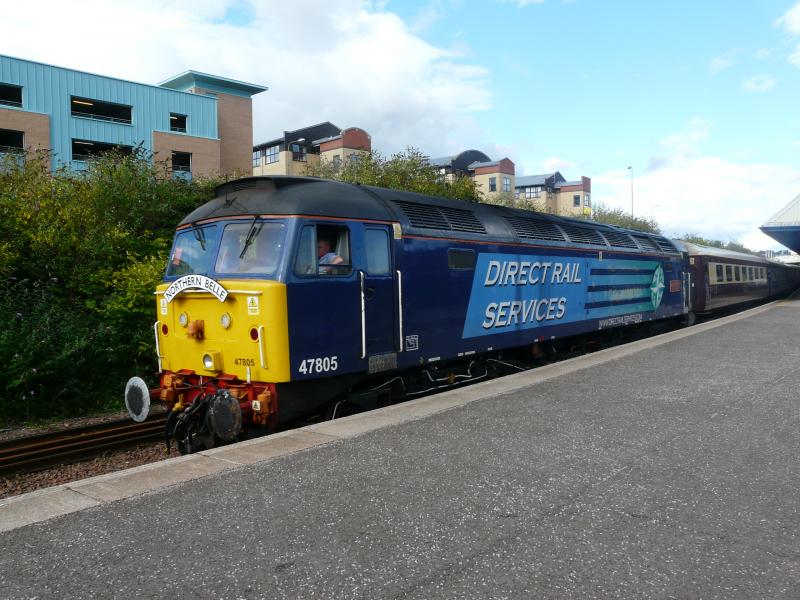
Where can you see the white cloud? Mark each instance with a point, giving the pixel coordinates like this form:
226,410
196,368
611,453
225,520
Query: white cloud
790,23
353,63
706,195
522,3
762,53
759,83
724,61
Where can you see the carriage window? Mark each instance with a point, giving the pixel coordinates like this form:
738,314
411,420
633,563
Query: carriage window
728,273
323,250
737,274
752,273
376,243
744,273
720,276
251,247
461,260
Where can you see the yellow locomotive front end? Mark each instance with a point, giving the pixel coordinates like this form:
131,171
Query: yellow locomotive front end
221,333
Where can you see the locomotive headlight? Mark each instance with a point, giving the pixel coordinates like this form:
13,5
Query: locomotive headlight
212,361
225,320
183,319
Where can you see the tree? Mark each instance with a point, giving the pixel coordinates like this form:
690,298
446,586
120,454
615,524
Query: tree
733,245
408,170
620,218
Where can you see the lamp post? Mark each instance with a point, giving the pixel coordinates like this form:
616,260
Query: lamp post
631,170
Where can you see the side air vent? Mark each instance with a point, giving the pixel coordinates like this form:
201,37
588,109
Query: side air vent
664,244
426,216
646,243
535,229
582,235
619,240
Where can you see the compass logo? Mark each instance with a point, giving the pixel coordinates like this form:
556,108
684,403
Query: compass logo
657,287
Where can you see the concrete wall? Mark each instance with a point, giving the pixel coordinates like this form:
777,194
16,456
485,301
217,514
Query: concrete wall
205,152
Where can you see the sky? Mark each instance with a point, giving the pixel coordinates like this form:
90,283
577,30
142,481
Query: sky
699,99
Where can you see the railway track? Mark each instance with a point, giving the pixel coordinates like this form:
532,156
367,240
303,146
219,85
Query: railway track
36,452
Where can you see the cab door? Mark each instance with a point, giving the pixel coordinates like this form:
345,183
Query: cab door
377,291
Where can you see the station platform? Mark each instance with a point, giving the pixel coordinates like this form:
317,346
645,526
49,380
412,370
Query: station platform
668,467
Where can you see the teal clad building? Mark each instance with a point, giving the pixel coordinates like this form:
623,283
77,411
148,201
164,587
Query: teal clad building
201,124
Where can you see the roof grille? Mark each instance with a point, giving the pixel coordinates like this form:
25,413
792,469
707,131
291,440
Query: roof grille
463,220
535,229
664,244
583,235
243,185
646,243
426,216
618,239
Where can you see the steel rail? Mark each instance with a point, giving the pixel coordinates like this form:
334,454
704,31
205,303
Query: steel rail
38,451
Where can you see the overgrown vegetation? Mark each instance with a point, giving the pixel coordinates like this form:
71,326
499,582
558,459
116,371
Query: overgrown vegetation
734,245
80,255
408,170
620,218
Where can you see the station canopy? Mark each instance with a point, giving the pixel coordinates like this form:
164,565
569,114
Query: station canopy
784,227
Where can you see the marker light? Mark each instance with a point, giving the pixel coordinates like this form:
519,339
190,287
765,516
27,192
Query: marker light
254,334
183,319
208,362
225,320
164,329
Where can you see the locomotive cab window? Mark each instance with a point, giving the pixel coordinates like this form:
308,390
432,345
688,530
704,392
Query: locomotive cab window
251,247
376,244
193,251
323,250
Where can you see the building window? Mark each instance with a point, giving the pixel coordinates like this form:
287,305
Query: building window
586,200
85,149
10,95
257,157
337,162
273,153
103,111
298,153
506,184
532,192
181,162
177,122
576,200
492,184
11,142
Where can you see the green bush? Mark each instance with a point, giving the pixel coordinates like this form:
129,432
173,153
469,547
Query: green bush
80,254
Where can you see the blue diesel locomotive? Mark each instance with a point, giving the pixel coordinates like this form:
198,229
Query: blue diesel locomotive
284,295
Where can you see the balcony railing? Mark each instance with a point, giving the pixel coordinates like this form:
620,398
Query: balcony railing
84,115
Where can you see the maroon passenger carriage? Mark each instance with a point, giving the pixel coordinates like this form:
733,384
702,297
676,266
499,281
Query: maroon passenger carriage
721,279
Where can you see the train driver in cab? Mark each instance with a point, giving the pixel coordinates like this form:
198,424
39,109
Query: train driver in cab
325,255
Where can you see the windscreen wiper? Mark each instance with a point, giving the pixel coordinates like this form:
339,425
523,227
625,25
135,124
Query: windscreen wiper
251,235
199,235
